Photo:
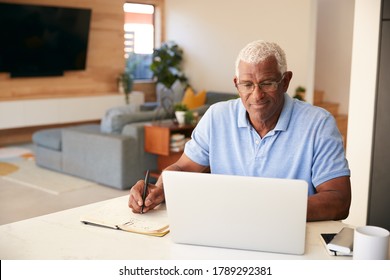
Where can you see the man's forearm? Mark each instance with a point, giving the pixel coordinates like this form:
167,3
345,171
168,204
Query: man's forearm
326,206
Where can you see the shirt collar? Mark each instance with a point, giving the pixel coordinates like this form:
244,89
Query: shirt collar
286,113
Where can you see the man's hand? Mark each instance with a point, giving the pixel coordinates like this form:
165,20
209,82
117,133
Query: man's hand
154,197
155,194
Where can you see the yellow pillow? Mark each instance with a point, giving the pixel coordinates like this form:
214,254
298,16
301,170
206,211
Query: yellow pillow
192,100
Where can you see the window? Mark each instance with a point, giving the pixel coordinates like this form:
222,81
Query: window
139,38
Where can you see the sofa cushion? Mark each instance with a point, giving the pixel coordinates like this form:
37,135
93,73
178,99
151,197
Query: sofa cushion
201,109
192,100
175,93
112,122
49,138
214,97
116,118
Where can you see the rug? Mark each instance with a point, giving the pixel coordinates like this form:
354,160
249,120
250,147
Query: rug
31,175
12,152
7,168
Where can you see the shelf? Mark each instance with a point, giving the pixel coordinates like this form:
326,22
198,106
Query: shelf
157,137
157,141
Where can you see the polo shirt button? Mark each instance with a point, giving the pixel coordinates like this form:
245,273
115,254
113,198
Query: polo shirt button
257,142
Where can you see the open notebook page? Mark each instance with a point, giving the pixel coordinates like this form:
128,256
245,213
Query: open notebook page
116,214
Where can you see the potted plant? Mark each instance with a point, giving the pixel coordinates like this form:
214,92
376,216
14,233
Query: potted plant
166,64
180,110
300,93
190,117
180,107
125,84
125,80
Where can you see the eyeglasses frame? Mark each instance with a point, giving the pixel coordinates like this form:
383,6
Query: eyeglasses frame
259,85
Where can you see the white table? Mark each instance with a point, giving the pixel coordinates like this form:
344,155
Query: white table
62,236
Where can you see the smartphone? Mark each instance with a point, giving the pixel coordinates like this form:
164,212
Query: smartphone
343,241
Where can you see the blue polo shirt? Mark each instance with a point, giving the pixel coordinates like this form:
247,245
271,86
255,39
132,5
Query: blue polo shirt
305,144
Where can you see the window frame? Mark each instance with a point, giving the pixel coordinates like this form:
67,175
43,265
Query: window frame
149,86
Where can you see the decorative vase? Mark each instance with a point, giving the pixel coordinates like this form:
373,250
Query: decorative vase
180,117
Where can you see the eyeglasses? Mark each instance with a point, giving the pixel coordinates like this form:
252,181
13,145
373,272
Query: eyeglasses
267,87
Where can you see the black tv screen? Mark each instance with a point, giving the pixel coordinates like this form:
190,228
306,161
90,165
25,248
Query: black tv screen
41,40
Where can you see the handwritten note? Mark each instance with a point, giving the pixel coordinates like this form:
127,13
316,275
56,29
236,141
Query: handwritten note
116,214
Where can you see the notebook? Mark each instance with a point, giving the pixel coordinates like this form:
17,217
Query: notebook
115,214
251,213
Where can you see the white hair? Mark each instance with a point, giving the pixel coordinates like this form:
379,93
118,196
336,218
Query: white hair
258,51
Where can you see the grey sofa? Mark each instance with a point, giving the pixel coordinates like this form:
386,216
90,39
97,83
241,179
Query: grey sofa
111,153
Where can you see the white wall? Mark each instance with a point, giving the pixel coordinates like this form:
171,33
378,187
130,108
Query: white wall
212,33
56,110
334,50
362,104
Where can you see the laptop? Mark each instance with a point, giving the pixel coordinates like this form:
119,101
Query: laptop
229,211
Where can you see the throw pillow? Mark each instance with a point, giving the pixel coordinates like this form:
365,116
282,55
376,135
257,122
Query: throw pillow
117,118
192,100
175,92
112,120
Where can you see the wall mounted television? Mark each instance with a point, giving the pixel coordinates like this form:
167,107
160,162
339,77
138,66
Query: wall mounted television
39,40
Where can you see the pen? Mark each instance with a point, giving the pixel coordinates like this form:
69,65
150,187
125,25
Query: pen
145,191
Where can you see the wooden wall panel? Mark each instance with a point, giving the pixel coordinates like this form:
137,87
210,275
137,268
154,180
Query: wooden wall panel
104,58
